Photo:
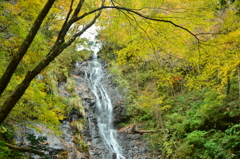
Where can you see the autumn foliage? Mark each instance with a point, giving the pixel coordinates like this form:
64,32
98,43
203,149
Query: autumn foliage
186,86
177,62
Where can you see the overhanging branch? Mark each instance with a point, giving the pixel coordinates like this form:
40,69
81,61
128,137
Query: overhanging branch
140,15
153,19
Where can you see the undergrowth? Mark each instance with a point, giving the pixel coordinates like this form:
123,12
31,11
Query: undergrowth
203,124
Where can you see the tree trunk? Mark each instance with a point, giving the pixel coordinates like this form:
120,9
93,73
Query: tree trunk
6,77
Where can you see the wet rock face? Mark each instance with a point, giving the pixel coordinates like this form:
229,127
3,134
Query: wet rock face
97,148
119,111
133,147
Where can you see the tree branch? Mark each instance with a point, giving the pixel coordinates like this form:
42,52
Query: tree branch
139,14
78,8
65,25
69,12
24,149
154,19
69,42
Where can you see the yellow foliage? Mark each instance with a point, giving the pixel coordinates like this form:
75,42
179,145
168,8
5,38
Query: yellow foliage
166,107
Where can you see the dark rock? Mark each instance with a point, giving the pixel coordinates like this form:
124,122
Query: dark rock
91,57
114,156
74,115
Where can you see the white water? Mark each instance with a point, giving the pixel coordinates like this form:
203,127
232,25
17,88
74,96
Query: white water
104,108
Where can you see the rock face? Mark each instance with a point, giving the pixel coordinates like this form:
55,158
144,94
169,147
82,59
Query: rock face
132,145
99,107
56,144
62,146
128,146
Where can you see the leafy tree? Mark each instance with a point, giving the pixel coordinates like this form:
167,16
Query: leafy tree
186,87
82,13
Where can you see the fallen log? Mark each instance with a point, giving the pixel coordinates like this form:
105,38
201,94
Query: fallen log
24,149
136,130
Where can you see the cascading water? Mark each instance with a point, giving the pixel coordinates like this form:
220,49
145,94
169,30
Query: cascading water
104,110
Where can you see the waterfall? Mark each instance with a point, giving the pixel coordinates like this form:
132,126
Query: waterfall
104,109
